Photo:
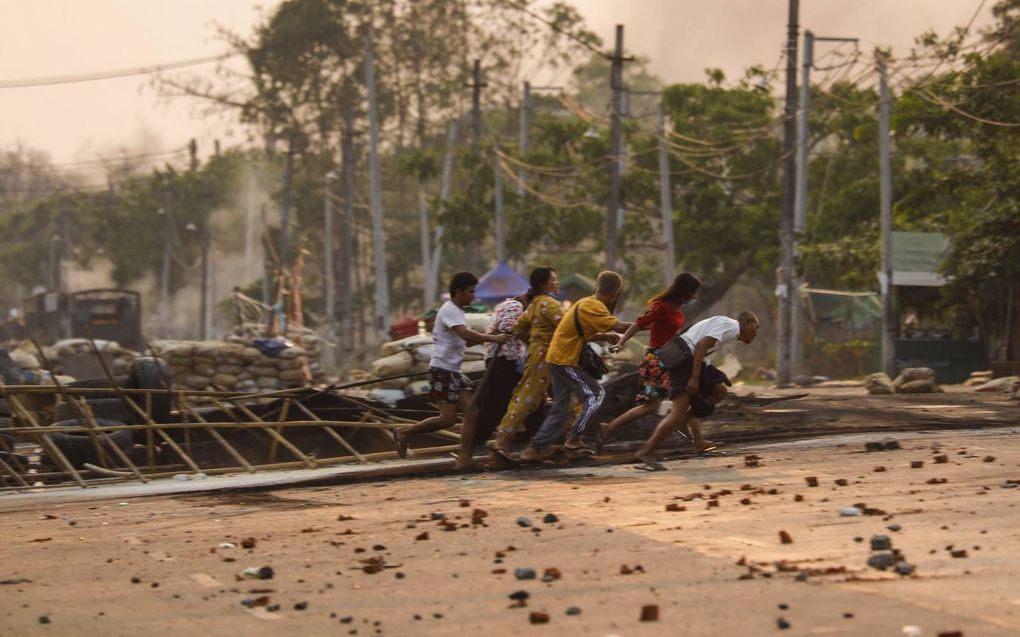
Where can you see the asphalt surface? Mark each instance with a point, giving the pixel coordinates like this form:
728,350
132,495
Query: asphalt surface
347,557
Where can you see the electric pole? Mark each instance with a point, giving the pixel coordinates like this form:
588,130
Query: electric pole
426,251
249,226
382,292
523,133
789,171
347,233
288,180
203,307
164,278
476,140
666,198
885,207
267,272
616,145
329,353
797,323
500,218
444,194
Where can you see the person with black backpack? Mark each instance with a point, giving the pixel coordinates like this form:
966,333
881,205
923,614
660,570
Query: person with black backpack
575,368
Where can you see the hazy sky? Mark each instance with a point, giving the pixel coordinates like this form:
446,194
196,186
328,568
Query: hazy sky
78,122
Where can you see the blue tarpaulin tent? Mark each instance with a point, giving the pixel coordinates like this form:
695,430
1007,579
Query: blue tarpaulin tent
499,283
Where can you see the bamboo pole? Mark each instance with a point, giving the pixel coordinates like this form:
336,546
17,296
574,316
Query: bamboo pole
14,474
332,433
117,451
11,454
141,412
43,438
311,464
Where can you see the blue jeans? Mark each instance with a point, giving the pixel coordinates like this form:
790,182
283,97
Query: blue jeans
567,380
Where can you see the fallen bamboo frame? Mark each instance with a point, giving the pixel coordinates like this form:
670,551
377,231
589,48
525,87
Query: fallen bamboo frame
232,405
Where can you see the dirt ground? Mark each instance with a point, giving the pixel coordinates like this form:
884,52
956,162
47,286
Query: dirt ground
700,542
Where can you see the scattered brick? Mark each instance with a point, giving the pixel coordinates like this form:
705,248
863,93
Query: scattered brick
650,613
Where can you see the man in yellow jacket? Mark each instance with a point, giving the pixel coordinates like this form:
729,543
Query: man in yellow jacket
597,324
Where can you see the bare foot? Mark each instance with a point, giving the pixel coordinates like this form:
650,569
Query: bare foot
603,438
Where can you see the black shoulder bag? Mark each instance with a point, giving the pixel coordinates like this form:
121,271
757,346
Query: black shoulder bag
589,361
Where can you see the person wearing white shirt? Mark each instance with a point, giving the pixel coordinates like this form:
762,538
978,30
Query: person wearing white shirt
448,387
695,385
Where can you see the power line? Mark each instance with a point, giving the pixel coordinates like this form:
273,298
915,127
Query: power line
54,80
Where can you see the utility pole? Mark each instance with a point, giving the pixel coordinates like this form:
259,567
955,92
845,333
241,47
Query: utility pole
797,322
616,146
249,226
476,139
523,133
203,307
288,180
444,194
885,206
267,271
476,106
666,198
164,278
328,274
426,251
500,217
789,193
382,292
347,234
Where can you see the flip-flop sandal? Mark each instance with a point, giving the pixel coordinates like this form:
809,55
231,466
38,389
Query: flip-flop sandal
651,466
580,450
396,444
711,450
502,454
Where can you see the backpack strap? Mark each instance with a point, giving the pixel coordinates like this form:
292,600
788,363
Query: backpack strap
577,321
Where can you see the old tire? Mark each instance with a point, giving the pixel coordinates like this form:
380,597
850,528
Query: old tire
122,381
78,447
102,408
149,372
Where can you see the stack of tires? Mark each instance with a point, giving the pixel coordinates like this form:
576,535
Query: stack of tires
112,411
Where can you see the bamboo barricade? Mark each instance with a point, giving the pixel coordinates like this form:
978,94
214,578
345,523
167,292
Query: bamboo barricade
240,412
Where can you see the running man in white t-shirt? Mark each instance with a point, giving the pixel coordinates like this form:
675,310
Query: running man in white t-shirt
448,387
695,394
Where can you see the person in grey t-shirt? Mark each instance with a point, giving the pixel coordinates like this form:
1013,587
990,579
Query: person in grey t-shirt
448,387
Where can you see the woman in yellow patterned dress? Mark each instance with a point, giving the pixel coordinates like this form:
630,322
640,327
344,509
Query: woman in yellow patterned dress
536,326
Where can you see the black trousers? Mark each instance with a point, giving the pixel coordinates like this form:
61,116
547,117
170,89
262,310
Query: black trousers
493,396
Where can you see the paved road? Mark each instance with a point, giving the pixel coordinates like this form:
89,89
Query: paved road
710,570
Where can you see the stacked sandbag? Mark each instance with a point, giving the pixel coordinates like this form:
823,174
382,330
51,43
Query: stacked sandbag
912,380
232,366
978,378
309,343
1004,384
119,358
916,380
879,384
412,354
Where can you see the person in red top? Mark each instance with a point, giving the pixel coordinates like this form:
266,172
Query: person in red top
664,318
